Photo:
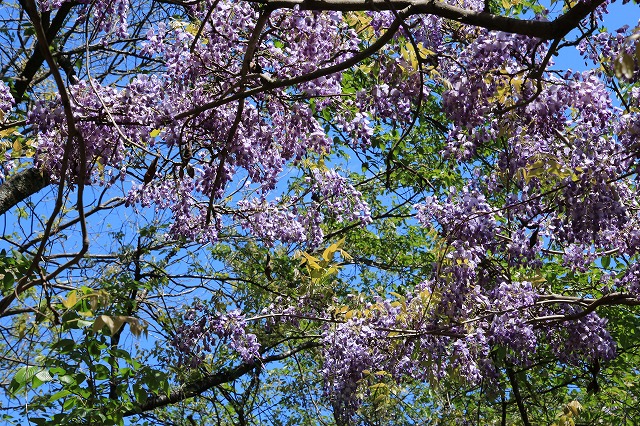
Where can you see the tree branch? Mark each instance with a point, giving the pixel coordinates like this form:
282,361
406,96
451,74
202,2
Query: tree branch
203,384
544,30
611,299
37,58
516,393
21,186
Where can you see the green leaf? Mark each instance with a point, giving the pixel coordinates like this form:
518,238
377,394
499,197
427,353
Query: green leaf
68,379
71,402
23,376
56,396
101,372
40,378
17,148
139,393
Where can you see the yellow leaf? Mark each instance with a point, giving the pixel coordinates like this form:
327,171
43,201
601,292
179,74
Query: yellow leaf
115,323
366,69
17,147
316,275
537,166
425,294
193,28
624,66
517,84
537,280
100,164
424,52
409,55
332,270
331,250
106,320
361,23
310,260
342,310
137,327
345,255
71,300
575,407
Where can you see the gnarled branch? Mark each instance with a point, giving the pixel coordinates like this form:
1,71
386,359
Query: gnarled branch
20,187
205,383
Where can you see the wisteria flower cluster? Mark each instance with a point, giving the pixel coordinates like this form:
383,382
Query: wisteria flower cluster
108,16
270,223
276,221
6,101
202,330
407,338
339,196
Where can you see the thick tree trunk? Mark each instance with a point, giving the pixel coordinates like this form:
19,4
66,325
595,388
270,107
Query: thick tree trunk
21,186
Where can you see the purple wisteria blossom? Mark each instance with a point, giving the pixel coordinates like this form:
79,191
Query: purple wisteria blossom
202,330
6,101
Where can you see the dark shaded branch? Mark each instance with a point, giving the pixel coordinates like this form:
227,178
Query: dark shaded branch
37,58
20,187
544,30
516,394
203,384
